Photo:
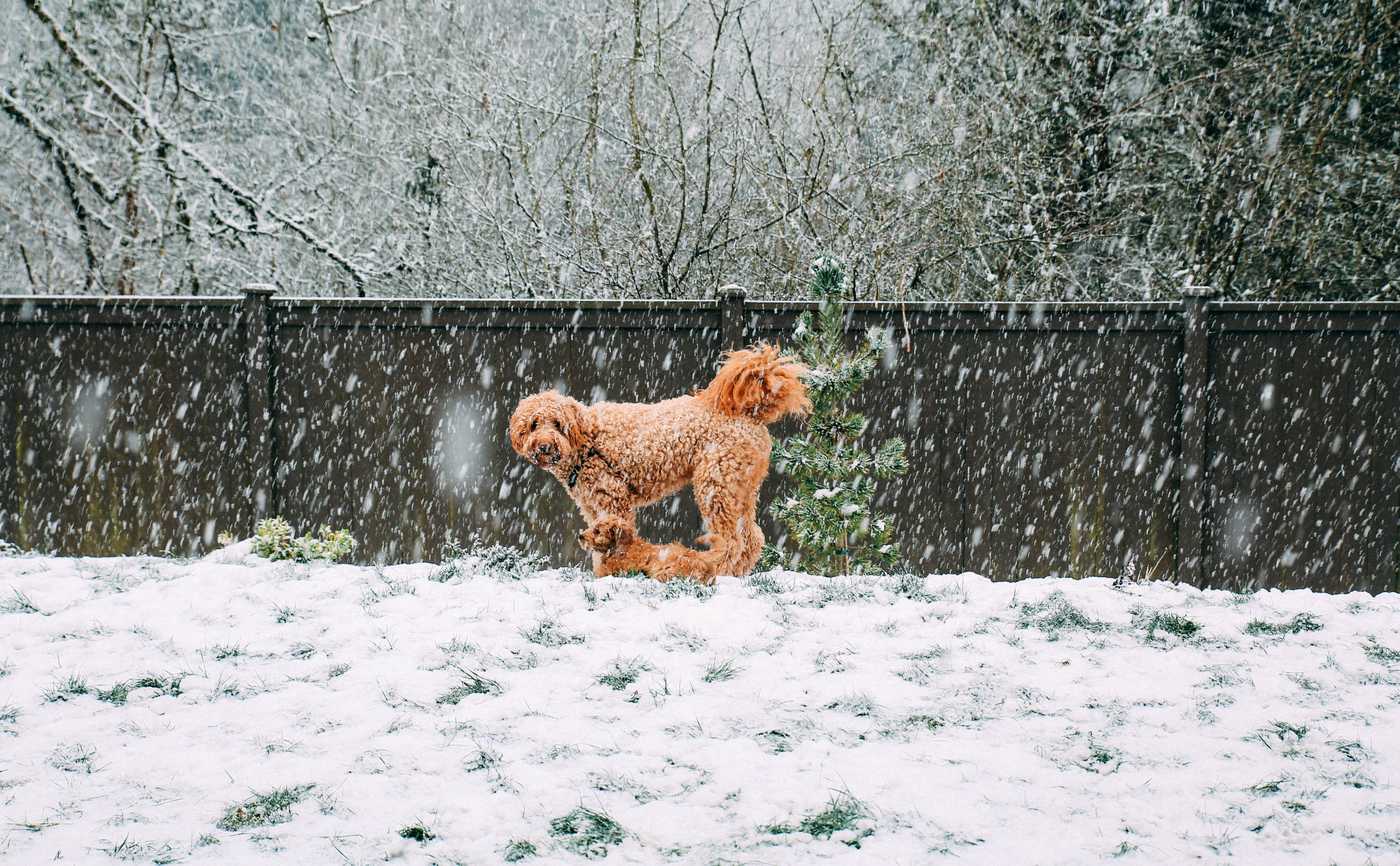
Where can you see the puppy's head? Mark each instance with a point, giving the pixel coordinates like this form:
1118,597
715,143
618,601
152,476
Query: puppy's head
548,429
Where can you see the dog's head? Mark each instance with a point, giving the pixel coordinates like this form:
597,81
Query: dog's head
548,429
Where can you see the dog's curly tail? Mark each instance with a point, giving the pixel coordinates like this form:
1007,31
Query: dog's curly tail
758,383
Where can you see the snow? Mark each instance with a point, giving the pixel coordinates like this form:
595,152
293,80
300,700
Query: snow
953,710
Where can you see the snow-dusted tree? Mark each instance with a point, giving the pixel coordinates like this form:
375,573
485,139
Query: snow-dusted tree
829,516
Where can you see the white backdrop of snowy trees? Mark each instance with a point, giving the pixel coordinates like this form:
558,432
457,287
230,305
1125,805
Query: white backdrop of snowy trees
967,149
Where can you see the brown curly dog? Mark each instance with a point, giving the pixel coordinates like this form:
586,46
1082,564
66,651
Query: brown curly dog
613,458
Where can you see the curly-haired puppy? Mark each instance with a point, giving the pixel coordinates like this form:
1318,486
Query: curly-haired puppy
613,458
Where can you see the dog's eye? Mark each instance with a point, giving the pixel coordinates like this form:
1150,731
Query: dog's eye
533,424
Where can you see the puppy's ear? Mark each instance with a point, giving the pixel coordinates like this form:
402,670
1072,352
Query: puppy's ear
579,425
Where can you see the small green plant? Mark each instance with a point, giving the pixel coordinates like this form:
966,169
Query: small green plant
621,674
686,587
830,516
586,832
273,807
417,832
519,849
224,651
1300,623
483,760
273,539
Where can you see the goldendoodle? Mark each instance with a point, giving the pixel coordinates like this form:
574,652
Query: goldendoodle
613,458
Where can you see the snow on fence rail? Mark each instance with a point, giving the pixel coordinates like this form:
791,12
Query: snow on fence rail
1223,444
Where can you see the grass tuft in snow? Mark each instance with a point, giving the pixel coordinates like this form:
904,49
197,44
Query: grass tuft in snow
719,671
1300,623
843,816
19,603
623,673
225,651
472,683
74,758
519,849
548,632
504,562
66,689
259,810
1380,653
1171,623
285,613
910,586
686,587
1055,614
417,832
586,832
765,583
116,695
9,714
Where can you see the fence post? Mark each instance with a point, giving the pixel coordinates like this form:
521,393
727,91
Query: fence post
731,316
1195,417
258,369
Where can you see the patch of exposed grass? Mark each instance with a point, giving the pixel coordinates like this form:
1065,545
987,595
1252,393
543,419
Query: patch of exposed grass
482,760
505,562
910,586
285,613
519,849
18,603
116,695
74,758
1283,732
548,632
1381,654
857,704
843,590
623,673
418,832
1171,623
9,714
259,810
764,583
471,683
1300,623
720,671
66,689
687,587
1054,614
843,814
450,570
225,651
586,832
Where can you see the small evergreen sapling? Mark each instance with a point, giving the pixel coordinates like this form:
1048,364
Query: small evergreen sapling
829,517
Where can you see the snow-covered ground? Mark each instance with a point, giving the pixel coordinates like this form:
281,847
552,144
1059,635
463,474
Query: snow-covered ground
232,710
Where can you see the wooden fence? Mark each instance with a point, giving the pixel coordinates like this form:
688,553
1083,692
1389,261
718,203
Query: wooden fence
1224,444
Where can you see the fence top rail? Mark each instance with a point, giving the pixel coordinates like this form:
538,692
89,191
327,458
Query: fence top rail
991,308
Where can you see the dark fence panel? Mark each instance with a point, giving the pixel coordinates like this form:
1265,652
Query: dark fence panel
1305,450
1044,439
123,426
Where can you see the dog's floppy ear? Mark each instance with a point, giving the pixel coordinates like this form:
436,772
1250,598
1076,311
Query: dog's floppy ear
579,425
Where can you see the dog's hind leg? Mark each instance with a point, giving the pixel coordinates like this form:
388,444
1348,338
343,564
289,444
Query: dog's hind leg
727,497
